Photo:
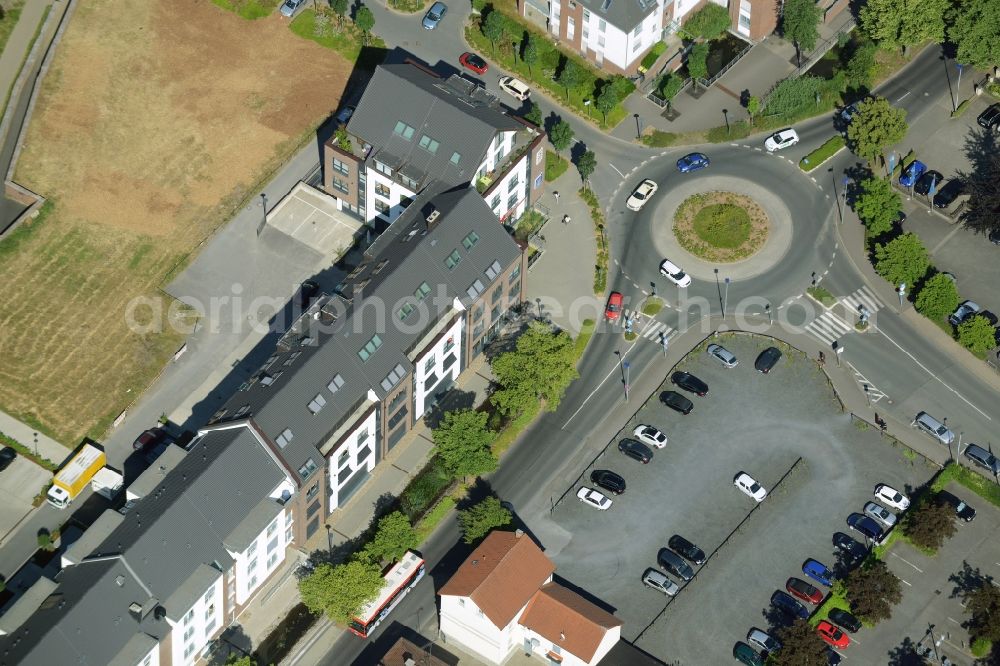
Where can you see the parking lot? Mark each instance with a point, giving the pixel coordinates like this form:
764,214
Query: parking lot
761,424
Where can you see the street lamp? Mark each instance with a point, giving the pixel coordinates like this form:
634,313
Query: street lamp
770,319
638,128
843,188
958,88
625,367
725,114
263,205
725,298
329,537
902,294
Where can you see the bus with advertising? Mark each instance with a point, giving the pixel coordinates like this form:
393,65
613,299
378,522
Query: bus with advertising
401,577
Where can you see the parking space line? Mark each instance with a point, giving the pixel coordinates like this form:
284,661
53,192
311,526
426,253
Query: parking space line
919,570
905,581
954,620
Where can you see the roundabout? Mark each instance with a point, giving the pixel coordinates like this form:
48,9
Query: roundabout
721,226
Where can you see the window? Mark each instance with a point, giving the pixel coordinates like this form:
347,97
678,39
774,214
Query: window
475,289
409,182
470,241
252,549
362,436
600,41
586,16
271,559
312,491
405,311
209,612
429,144
252,583
514,274
242,411
448,345
744,21
636,46
514,292
452,260
403,130
393,378
422,291
340,166
335,383
477,331
495,312
637,31
209,595
284,438
430,363
306,470
340,186
317,403
210,626
397,417
513,184
512,201
188,649
493,270
383,168
381,206
271,529
397,401
189,617
455,158
497,293
365,352
381,190
478,314
602,25
253,564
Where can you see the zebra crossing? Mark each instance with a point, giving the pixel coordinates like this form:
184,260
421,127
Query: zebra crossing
646,326
828,327
862,297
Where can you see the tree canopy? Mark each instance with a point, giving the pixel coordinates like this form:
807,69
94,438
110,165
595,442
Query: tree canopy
982,212
482,518
983,604
938,298
876,125
571,76
586,165
893,23
606,101
708,22
697,62
977,334
493,27
365,21
878,206
903,259
462,443
799,23
872,591
534,114
561,135
975,29
800,646
530,54
540,368
861,67
929,524
394,535
340,590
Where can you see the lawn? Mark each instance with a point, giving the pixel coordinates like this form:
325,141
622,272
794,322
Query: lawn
12,12
181,109
248,9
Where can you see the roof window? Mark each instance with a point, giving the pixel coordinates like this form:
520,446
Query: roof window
452,260
470,241
284,438
365,352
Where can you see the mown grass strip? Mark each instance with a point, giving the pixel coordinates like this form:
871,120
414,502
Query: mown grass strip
831,147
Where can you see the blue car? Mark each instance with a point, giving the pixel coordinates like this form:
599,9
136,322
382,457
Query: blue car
788,605
818,572
912,173
692,162
866,526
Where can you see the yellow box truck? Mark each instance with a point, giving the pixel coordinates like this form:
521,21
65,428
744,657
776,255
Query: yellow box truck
75,475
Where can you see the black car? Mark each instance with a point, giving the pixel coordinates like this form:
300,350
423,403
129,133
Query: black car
636,450
990,117
675,400
686,549
851,548
995,236
962,510
789,605
923,184
689,383
307,292
845,620
833,657
947,194
7,456
671,562
988,316
767,360
608,480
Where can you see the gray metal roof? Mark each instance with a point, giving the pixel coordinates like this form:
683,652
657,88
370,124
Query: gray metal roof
623,14
461,116
153,475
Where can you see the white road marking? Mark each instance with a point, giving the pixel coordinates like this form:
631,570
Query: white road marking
954,620
899,99
616,169
905,581
919,570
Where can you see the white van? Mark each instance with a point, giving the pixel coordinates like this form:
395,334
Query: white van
516,88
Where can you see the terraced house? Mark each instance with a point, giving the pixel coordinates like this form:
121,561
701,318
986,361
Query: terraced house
414,130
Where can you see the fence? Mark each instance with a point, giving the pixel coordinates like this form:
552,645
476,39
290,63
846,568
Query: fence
706,83
662,101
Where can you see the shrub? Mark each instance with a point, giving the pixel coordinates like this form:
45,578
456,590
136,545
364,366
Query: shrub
981,647
658,139
829,148
650,58
937,298
708,22
791,96
555,166
961,108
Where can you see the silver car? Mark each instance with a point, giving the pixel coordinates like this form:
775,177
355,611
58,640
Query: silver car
288,7
723,355
880,513
434,15
659,581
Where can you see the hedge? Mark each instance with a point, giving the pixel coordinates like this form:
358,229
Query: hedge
830,148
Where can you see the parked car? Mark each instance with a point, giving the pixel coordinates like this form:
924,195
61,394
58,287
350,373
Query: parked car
635,450
516,88
891,497
963,312
866,525
803,590
832,635
947,194
152,454
659,581
692,162
149,439
818,571
934,428
614,308
767,360
762,640
746,483
7,456
689,382
308,290
686,549
723,355
983,458
647,434
781,139
923,184
608,480
833,657
994,236
788,605
289,7
594,498
854,551
848,112
434,15
641,195
473,62
990,118
676,401
672,272
745,654
845,620
673,563
880,513
912,173
344,115
962,510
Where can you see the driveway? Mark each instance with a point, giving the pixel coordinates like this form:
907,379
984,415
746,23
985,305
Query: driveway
19,484
748,421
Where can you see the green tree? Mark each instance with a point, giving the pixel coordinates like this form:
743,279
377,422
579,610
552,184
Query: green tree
534,114
245,660
340,8
977,335
494,28
340,590
670,85
876,125
878,206
708,22
482,518
903,259
697,62
540,368
937,298
753,107
892,23
799,23
45,540
800,646
462,444
872,590
365,21
975,29
982,212
561,135
530,55
571,76
929,524
983,604
861,67
586,165
394,535
606,101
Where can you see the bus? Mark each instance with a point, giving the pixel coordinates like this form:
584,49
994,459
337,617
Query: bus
402,577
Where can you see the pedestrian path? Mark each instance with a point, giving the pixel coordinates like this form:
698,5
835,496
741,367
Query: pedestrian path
645,326
863,297
828,328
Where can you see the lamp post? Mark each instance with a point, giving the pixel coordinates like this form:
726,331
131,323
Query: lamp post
638,127
725,114
329,537
35,435
770,319
263,205
958,88
902,294
843,191
718,288
625,367
725,298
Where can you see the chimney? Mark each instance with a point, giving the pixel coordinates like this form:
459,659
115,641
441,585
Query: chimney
432,217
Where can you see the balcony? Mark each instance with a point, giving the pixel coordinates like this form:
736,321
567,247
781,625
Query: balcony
522,143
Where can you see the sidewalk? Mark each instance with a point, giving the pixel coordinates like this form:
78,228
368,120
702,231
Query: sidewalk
16,49
32,439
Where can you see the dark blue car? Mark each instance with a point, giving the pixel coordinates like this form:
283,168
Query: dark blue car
788,605
692,162
866,526
818,572
912,173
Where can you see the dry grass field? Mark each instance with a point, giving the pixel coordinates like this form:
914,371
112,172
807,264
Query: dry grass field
155,121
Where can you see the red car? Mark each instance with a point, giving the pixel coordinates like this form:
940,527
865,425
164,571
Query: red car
148,440
803,590
473,62
614,309
832,635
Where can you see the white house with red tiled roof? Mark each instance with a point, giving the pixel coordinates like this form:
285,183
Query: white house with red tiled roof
502,598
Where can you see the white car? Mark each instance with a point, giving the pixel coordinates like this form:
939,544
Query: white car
723,355
891,497
593,498
647,434
673,272
516,88
880,513
780,140
643,193
745,482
